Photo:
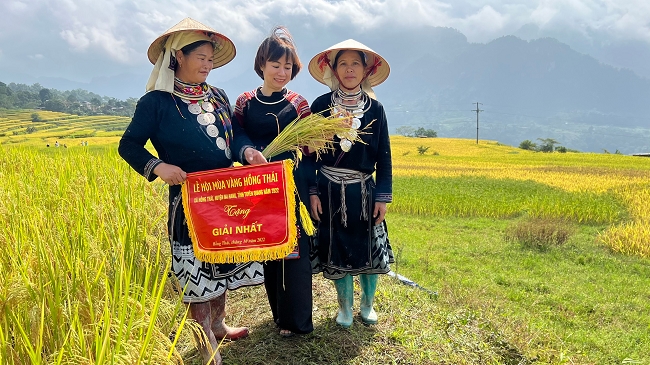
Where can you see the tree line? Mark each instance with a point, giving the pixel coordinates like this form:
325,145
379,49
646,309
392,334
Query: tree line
78,101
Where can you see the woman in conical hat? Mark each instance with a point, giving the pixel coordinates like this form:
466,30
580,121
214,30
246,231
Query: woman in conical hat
348,202
189,124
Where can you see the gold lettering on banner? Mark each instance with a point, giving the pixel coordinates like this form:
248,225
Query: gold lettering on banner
205,186
252,180
233,211
249,228
272,177
217,231
234,183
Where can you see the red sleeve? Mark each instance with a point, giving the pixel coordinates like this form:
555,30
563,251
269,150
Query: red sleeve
300,103
240,106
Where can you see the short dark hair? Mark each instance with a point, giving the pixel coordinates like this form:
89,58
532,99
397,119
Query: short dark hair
192,46
361,54
278,44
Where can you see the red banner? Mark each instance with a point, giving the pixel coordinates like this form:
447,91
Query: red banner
242,214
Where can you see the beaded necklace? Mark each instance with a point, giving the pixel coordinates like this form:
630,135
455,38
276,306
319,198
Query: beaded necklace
202,102
350,104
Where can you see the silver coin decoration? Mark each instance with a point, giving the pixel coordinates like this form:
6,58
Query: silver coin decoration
356,123
208,107
194,108
346,145
221,143
352,135
212,130
204,119
209,117
204,111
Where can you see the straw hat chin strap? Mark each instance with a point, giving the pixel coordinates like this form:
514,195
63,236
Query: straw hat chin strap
331,78
162,75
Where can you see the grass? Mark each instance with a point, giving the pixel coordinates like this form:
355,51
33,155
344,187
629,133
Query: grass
501,198
84,256
576,303
539,233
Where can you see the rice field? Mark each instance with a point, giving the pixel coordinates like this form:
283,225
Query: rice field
457,177
84,251
85,280
17,127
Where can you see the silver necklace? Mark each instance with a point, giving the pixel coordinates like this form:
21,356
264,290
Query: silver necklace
268,102
346,104
204,111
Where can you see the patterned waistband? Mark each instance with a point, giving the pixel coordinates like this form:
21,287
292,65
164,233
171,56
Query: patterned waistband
347,176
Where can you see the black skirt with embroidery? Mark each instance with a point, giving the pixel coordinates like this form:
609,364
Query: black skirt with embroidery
349,244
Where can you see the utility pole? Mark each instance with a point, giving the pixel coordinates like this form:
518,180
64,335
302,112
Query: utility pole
477,111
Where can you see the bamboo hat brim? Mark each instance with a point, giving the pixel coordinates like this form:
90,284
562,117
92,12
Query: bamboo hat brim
224,50
318,63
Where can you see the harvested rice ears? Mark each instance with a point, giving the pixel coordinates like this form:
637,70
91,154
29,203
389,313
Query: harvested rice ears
315,132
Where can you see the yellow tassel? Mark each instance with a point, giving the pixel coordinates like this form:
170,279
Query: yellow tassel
305,221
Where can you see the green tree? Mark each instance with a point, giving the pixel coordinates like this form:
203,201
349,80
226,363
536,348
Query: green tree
44,95
422,132
548,144
528,145
55,105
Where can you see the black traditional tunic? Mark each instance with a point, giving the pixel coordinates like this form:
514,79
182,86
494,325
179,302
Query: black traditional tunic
287,281
348,241
179,139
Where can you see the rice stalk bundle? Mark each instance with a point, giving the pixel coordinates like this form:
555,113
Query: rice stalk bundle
315,132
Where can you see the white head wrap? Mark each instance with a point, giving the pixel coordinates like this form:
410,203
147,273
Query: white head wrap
162,76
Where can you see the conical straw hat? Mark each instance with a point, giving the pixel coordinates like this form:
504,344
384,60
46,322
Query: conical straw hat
317,65
224,50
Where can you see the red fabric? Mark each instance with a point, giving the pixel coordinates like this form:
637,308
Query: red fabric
239,208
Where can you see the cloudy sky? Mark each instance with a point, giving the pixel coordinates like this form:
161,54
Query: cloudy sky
85,40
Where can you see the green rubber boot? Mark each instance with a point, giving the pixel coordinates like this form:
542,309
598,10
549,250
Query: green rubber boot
368,287
345,295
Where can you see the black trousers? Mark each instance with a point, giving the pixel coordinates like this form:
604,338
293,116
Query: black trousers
291,303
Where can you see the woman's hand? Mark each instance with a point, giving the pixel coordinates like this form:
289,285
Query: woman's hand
316,209
171,174
380,212
254,157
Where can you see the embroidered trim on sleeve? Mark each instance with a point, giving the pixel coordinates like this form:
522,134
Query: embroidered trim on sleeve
384,198
148,168
241,103
299,103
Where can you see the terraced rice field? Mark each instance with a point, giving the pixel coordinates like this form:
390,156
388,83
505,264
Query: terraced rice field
17,127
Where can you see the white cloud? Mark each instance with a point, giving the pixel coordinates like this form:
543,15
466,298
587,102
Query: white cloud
486,21
114,34
77,40
17,6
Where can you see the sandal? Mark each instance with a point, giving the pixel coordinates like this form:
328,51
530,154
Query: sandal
286,333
